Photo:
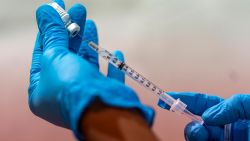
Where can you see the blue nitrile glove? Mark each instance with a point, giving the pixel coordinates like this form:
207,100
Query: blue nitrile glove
215,112
62,83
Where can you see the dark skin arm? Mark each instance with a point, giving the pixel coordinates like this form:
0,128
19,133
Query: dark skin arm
104,123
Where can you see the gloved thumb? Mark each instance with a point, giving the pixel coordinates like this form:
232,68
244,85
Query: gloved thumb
194,131
235,108
51,27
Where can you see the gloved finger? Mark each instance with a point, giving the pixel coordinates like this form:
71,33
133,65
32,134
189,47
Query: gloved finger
196,103
36,64
240,130
90,34
51,27
115,73
37,52
235,108
77,14
60,3
194,131
36,57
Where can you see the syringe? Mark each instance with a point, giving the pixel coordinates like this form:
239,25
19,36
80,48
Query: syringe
175,105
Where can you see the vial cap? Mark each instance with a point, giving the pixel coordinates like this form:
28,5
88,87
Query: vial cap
73,29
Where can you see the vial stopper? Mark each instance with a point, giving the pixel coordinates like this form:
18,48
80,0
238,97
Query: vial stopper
73,29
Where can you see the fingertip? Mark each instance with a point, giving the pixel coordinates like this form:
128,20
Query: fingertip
51,28
90,23
45,9
46,14
206,118
79,8
119,55
194,131
40,10
90,31
214,115
78,15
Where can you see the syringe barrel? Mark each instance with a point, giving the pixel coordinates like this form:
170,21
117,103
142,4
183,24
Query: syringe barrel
167,99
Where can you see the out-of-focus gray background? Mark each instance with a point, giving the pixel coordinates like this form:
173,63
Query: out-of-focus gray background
195,45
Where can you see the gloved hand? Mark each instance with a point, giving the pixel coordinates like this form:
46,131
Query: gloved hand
216,112
62,83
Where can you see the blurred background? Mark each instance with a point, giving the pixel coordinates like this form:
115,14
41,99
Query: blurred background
196,45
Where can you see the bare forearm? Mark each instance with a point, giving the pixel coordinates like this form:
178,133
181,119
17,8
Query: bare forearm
101,122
